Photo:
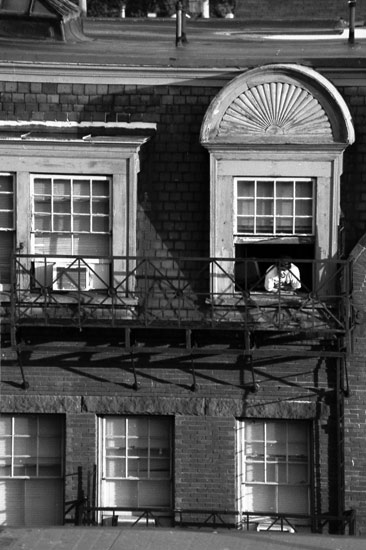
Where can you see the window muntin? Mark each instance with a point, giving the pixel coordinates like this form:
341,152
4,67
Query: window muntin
71,214
137,448
275,466
274,206
30,446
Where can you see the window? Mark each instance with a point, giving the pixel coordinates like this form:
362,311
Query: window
31,470
136,461
274,206
30,446
6,225
71,215
274,466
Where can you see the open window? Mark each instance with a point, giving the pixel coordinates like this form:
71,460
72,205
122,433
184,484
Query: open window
273,217
276,136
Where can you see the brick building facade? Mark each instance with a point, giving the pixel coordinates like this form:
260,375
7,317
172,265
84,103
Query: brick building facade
132,372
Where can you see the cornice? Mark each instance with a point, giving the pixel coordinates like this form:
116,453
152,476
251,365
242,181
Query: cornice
22,71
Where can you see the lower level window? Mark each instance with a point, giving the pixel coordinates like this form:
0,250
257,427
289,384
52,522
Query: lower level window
273,466
136,461
31,470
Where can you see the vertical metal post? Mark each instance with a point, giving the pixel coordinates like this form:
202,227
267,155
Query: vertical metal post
205,9
83,7
352,21
180,32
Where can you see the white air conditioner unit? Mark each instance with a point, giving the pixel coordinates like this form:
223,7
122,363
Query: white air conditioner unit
71,278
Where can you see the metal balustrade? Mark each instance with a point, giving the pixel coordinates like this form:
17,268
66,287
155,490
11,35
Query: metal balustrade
177,292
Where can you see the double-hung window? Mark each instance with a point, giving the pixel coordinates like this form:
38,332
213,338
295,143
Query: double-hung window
31,469
135,461
71,216
274,466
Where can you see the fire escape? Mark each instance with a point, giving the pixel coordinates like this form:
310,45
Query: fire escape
157,304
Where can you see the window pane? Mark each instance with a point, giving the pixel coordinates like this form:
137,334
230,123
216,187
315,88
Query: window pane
91,245
304,225
265,189
6,220
304,208
260,498
6,202
81,187
115,467
81,206
254,449
25,446
100,188
115,426
304,189
6,183
42,186
245,207
254,431
100,224
25,425
137,426
284,189
264,225
42,223
264,207
42,204
82,223
284,208
5,446
245,188
5,425
62,223
254,471
62,187
159,468
284,225
245,225
298,473
62,205
100,206
293,500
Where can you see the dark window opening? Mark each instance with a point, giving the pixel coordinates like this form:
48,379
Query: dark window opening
257,258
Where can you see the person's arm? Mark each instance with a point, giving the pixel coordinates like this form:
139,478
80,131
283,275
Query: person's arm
295,277
268,281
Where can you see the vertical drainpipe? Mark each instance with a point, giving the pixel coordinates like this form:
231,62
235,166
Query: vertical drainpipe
205,9
83,7
352,21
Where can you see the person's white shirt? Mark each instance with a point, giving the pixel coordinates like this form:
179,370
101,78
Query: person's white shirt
282,277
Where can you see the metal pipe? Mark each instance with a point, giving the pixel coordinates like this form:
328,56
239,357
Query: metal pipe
180,27
352,21
205,9
83,7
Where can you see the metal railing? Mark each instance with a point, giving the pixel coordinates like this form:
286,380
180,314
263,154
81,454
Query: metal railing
177,292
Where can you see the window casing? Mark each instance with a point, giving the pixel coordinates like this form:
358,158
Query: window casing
31,446
135,461
274,466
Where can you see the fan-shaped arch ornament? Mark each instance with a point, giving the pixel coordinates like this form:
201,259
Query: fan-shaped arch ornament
275,108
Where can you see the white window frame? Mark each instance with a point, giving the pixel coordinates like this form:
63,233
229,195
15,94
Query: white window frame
74,275
13,437
128,477
243,461
255,234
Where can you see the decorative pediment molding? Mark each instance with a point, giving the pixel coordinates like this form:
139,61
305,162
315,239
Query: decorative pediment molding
276,108
278,104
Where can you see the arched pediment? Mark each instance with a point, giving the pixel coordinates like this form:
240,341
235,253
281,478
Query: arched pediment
278,104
